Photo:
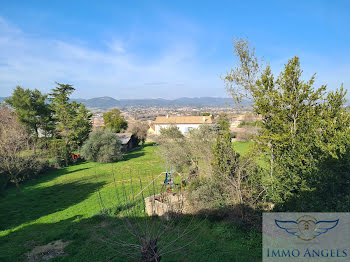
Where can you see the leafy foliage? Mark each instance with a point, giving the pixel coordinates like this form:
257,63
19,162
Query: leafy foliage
173,148
234,179
102,146
115,121
224,156
224,122
81,124
139,129
33,111
303,130
72,119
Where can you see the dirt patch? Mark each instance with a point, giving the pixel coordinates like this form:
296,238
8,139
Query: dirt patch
48,251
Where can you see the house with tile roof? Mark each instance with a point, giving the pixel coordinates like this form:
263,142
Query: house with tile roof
183,123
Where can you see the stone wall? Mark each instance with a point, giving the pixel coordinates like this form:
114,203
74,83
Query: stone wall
165,205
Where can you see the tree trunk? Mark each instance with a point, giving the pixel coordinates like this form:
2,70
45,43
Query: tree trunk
34,146
149,252
35,141
18,188
271,162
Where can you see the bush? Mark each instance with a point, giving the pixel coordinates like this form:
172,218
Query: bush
60,152
33,167
102,146
24,168
205,193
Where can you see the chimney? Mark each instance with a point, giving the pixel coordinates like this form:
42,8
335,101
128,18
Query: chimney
203,119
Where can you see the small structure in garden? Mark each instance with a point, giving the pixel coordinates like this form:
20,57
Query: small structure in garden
171,201
128,141
165,205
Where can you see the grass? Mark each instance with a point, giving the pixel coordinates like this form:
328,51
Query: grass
64,204
242,147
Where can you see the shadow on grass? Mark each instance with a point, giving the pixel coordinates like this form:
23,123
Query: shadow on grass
94,239
133,154
37,202
136,152
149,144
58,172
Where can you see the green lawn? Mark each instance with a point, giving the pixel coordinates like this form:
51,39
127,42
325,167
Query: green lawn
242,147
64,204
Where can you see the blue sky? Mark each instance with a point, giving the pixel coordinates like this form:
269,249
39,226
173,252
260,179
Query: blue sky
167,49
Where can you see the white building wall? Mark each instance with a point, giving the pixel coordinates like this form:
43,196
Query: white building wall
184,128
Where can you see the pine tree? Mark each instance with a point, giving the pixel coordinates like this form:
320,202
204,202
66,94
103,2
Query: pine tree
72,119
33,111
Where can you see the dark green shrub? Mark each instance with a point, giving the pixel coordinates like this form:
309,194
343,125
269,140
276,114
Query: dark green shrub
102,146
3,182
207,193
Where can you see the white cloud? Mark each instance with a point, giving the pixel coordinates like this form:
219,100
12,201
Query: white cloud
116,46
37,63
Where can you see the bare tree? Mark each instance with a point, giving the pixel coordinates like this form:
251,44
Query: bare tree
241,80
13,140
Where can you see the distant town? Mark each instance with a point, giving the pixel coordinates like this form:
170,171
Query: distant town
148,110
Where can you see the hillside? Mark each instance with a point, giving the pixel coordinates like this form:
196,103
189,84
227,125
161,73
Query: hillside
65,205
109,102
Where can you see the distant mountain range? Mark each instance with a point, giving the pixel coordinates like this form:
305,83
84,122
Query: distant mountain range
107,102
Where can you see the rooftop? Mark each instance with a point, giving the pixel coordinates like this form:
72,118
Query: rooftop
183,120
124,137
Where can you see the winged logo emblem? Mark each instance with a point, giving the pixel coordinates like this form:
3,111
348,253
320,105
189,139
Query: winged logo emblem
306,227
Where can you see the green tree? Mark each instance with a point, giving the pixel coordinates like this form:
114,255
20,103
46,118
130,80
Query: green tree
102,146
224,122
115,121
224,156
33,111
62,108
173,148
81,124
298,121
72,119
172,132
